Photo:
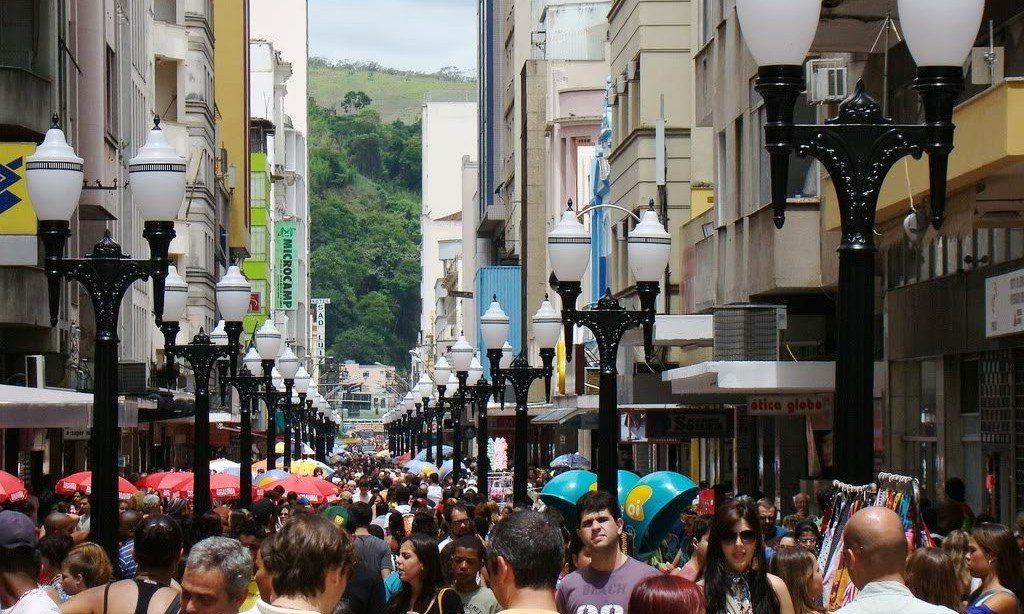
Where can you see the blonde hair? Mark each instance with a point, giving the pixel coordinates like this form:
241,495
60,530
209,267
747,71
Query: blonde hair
931,576
795,566
90,561
957,545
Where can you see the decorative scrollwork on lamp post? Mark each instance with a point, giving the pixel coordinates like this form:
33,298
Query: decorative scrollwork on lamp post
858,147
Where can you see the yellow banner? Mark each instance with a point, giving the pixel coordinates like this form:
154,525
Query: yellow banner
16,214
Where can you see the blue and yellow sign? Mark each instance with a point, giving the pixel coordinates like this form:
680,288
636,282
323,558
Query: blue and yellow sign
16,214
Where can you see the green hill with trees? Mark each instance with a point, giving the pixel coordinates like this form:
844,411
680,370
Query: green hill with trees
364,196
396,94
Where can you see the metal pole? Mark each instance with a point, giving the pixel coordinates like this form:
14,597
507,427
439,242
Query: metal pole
288,419
104,444
247,407
269,399
854,448
519,474
483,463
439,421
201,502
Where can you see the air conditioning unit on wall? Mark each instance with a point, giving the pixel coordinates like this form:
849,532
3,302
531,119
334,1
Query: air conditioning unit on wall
826,80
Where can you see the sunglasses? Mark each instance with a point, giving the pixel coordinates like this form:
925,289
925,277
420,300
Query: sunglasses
746,537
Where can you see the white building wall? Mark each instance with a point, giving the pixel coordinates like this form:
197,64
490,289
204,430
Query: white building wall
449,132
285,26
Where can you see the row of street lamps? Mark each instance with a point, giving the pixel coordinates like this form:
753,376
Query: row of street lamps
857,148
54,174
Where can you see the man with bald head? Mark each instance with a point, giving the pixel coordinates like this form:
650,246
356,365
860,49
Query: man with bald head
876,551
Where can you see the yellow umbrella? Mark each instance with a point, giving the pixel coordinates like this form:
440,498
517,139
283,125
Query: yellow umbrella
383,454
304,466
427,469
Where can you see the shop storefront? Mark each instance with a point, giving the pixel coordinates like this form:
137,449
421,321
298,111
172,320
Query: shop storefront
955,398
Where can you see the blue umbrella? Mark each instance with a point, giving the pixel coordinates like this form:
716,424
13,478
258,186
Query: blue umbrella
573,460
446,468
446,451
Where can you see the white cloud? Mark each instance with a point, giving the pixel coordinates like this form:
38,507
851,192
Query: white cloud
408,34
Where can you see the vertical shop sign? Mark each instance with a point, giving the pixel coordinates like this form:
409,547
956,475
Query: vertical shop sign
285,266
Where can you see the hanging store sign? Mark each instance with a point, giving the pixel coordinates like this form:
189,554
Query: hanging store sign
1004,304
16,214
789,404
285,264
686,424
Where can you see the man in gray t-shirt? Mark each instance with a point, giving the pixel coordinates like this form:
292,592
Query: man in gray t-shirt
606,584
372,550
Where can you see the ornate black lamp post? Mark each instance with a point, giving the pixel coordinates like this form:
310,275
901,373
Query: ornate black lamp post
202,354
55,178
268,346
857,148
494,327
444,379
250,391
288,367
649,245
481,396
425,388
462,361
300,386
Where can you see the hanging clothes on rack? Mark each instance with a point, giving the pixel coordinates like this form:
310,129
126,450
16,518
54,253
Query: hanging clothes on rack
896,492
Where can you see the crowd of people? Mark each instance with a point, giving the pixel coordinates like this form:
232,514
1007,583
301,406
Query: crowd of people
396,543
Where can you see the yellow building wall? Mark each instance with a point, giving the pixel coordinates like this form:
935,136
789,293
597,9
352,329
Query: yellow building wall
231,84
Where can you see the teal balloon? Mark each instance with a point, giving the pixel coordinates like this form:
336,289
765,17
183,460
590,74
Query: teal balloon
652,507
627,480
564,490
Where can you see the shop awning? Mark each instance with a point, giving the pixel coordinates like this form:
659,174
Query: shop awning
24,407
741,377
554,416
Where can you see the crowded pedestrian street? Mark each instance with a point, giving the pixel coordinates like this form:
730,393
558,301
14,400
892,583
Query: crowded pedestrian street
511,307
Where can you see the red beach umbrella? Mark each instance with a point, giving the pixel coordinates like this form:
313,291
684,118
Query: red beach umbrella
11,488
82,482
223,487
317,490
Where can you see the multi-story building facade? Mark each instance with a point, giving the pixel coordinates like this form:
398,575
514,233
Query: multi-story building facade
284,27
449,131
106,69
267,77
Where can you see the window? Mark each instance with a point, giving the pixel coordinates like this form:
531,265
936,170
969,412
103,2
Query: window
258,243
17,34
737,174
721,149
707,23
112,89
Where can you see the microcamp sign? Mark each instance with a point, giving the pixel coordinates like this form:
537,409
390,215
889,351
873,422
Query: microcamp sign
285,266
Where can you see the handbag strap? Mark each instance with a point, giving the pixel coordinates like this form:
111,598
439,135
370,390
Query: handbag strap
439,598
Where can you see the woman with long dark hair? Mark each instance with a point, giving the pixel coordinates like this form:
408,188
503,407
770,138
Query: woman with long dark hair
736,578
994,557
667,593
419,567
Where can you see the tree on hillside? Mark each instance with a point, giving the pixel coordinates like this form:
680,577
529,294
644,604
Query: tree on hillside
355,101
364,202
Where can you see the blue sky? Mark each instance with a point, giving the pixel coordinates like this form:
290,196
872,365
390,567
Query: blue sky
410,34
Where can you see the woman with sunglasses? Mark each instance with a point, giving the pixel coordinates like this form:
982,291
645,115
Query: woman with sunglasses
736,578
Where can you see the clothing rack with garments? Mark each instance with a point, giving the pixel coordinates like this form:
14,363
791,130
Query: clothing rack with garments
896,492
